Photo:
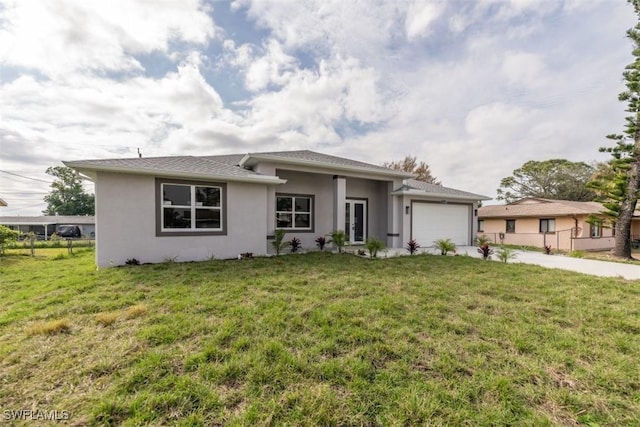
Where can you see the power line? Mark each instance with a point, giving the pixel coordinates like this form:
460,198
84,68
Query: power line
24,207
26,177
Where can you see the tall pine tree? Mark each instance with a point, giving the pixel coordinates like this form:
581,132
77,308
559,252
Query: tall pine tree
619,188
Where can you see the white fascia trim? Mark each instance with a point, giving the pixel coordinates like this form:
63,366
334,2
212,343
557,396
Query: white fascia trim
258,179
246,160
442,196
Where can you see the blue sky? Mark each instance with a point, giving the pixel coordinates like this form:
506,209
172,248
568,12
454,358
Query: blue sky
474,88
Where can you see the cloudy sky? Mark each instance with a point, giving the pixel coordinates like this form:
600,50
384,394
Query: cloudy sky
474,88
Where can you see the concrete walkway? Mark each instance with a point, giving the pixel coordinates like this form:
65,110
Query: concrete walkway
586,266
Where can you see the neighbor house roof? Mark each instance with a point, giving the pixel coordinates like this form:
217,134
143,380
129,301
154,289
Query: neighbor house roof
537,207
311,158
180,166
414,187
48,219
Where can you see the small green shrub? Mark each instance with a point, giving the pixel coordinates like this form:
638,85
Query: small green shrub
374,245
483,240
339,239
577,254
445,246
504,254
278,241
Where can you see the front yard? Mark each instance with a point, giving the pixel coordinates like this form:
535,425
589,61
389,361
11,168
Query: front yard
317,339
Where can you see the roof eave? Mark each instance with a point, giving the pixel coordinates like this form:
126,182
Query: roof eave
257,179
250,160
473,197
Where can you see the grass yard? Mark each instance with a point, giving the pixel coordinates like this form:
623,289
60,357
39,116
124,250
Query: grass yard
318,339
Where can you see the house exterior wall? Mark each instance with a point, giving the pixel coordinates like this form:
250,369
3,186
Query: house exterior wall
375,194
321,188
125,223
527,233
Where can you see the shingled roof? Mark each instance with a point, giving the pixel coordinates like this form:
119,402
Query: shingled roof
537,207
187,166
230,165
311,158
413,185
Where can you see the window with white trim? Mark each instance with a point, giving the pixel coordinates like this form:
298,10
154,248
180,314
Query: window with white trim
294,212
481,225
547,225
191,207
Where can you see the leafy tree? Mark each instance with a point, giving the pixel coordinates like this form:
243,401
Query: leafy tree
556,179
619,186
67,196
410,164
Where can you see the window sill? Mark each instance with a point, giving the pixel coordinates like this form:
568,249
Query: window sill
191,233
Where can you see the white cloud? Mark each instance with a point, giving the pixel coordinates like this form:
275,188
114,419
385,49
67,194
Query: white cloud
523,68
474,89
420,15
63,36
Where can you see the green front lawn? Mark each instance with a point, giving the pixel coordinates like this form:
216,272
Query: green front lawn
318,339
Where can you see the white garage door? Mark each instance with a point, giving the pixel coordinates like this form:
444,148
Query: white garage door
433,221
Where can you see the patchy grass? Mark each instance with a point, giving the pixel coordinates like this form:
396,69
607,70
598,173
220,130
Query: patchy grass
106,319
51,327
320,339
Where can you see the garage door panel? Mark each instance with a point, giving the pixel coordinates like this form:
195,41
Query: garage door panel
433,221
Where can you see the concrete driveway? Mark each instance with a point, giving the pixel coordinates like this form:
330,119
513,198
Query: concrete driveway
586,266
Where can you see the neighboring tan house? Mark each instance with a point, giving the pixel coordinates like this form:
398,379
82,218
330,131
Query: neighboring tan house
45,226
2,202
562,224
193,208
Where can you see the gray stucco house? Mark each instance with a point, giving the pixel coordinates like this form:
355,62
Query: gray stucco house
192,208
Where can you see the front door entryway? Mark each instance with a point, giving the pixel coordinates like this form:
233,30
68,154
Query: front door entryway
356,221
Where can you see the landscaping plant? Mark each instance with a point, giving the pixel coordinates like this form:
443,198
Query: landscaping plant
413,246
486,251
445,246
339,239
547,249
320,242
483,240
295,244
505,254
278,241
374,245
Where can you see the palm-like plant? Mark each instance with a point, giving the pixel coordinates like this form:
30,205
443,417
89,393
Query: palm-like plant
445,246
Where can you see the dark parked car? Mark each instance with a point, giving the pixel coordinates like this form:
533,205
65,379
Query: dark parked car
69,231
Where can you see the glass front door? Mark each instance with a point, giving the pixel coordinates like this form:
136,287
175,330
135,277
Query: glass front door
356,221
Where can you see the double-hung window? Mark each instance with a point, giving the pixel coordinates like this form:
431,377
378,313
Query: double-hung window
294,212
192,208
547,225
